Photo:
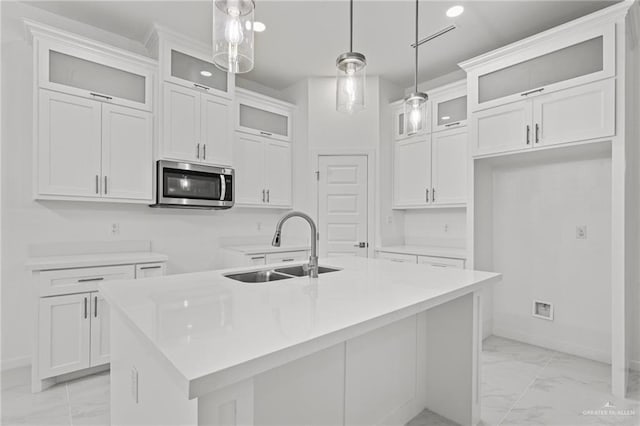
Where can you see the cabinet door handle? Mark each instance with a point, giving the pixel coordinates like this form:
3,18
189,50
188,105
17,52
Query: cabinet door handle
263,195
268,196
266,133
433,195
452,124
142,268
532,91
97,184
426,195
86,280
105,184
95,306
199,86
537,133
85,308
204,151
528,134
98,95
198,151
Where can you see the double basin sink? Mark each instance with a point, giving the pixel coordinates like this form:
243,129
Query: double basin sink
276,274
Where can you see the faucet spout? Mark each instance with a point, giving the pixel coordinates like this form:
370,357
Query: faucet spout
313,259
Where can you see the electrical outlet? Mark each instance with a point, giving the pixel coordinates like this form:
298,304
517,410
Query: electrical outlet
446,227
581,232
389,220
115,229
542,310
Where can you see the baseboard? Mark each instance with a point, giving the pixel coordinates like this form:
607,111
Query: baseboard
556,345
10,364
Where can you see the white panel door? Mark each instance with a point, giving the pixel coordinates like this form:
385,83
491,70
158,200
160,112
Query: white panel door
277,158
580,113
412,171
342,205
181,131
68,145
449,167
64,330
249,164
215,128
100,319
127,156
504,128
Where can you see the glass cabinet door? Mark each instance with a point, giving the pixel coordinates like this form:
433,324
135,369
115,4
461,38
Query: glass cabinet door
451,113
264,120
200,73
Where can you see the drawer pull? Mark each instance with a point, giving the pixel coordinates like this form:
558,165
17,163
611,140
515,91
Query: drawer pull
457,123
98,95
265,133
199,86
532,91
257,258
288,260
150,267
86,280
439,265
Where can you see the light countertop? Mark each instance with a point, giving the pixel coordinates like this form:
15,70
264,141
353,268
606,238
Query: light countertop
212,331
450,252
88,260
267,248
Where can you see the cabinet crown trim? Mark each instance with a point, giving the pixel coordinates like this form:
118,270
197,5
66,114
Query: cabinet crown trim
607,15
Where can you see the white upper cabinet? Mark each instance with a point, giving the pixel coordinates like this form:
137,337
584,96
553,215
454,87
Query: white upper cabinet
533,67
399,125
449,106
449,167
85,72
502,129
215,130
127,158
412,172
264,116
277,157
69,146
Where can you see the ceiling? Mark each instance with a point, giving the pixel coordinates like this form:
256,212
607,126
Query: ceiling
304,37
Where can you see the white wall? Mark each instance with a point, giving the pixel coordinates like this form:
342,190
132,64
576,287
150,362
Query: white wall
191,239
536,208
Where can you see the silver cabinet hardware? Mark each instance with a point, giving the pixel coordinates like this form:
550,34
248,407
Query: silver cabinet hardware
537,133
426,195
198,151
204,151
532,91
266,133
268,196
264,191
433,195
151,267
288,260
95,306
105,184
257,258
438,265
199,86
528,134
97,184
397,260
85,308
87,280
457,123
98,95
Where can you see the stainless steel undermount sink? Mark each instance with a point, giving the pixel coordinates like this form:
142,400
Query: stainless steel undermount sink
268,275
303,270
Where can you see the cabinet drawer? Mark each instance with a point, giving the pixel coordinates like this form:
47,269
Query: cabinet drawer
146,270
397,257
288,256
441,262
67,281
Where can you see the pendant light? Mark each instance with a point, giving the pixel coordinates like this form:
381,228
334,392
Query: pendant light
351,76
415,104
233,35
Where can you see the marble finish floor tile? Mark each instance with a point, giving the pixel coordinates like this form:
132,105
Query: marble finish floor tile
521,385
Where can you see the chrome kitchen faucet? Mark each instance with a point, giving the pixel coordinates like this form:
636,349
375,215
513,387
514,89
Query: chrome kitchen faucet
313,259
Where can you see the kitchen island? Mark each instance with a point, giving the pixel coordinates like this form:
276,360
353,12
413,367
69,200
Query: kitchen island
372,343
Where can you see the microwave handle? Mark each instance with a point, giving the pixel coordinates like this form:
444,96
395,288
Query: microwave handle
223,188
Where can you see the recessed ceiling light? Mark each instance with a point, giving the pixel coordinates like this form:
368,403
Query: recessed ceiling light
206,73
454,11
258,26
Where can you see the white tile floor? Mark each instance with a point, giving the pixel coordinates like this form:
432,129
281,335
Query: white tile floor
522,385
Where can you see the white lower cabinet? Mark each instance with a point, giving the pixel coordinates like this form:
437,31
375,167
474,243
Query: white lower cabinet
234,257
397,257
263,171
289,256
100,318
149,270
441,262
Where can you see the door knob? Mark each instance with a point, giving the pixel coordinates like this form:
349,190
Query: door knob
361,245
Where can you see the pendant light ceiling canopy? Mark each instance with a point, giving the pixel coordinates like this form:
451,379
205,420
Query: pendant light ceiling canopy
415,104
351,76
233,35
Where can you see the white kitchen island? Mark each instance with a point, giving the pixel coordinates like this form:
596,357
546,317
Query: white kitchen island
373,343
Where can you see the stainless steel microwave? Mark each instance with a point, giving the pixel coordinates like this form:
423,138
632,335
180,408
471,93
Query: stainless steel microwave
186,185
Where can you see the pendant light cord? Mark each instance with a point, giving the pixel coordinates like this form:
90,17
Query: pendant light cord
351,26
416,73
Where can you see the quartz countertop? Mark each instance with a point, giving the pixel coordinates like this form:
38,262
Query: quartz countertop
211,331
96,259
450,252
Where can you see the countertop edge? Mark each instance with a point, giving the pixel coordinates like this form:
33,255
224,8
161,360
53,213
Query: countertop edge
90,260
447,252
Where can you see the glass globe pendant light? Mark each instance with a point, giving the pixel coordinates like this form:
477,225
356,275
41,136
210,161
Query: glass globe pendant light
351,76
233,35
415,104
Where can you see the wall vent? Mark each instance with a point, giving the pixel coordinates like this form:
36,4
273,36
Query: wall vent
543,310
